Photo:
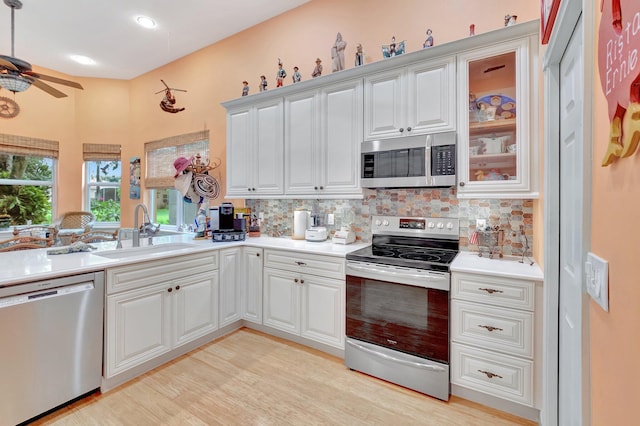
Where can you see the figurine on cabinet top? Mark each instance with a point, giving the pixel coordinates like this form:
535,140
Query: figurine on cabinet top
337,53
245,88
510,20
281,74
472,30
392,49
429,41
263,83
317,71
359,55
296,75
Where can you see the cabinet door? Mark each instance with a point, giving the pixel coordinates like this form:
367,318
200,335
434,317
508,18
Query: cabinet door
323,310
252,285
281,308
138,327
431,96
384,113
302,138
230,282
240,140
496,134
195,306
268,150
341,137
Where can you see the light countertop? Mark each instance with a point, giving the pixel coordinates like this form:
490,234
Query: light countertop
32,265
509,266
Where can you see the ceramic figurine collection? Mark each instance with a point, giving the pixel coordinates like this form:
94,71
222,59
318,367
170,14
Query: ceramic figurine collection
394,48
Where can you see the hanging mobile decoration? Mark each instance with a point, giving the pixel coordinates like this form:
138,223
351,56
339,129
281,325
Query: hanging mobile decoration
8,107
167,103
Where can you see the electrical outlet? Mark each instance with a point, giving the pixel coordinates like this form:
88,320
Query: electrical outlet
597,278
330,219
481,223
261,215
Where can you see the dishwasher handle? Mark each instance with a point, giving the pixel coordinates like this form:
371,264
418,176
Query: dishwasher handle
49,293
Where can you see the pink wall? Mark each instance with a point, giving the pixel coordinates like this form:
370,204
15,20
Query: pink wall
615,335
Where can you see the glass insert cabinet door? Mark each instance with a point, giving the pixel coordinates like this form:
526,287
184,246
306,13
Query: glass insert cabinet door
494,121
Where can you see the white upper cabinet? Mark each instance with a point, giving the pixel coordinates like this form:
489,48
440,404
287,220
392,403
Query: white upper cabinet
255,150
497,120
416,99
323,132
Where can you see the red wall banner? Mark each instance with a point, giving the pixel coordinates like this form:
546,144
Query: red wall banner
618,62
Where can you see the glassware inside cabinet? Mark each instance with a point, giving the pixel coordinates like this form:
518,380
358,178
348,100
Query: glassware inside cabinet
492,118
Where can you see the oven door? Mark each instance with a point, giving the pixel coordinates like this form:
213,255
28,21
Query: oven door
411,318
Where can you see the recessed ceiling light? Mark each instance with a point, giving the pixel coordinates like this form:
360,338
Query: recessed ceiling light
84,60
146,22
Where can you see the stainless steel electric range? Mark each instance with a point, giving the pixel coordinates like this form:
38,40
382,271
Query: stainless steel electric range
397,323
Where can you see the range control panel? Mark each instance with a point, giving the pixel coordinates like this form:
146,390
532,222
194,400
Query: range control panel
445,227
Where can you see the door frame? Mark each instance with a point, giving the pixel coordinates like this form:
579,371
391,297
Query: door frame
569,13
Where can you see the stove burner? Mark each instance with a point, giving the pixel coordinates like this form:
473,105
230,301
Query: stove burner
379,251
424,257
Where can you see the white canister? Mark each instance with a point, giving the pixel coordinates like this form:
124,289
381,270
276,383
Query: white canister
300,224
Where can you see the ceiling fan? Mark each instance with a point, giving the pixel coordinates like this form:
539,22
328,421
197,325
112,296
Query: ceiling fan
16,75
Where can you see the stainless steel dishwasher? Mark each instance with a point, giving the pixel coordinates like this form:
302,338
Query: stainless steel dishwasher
51,344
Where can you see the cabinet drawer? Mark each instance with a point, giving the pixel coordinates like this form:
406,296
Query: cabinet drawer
498,375
502,329
507,292
324,266
147,273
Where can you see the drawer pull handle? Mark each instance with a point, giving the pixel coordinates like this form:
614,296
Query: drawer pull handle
490,374
490,290
300,263
392,342
490,328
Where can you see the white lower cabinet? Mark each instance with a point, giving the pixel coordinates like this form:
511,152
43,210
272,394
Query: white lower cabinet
303,298
495,339
251,297
155,307
230,285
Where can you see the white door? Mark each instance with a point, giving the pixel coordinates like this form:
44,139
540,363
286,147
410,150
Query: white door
252,285
572,222
195,306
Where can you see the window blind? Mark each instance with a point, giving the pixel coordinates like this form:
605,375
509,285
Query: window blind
160,155
99,151
21,145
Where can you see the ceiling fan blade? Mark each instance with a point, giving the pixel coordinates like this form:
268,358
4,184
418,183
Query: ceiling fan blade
45,87
54,80
8,65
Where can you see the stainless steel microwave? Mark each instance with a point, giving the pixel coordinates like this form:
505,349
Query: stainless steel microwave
410,161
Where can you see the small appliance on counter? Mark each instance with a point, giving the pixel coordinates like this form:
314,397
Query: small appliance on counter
316,234
228,231
344,236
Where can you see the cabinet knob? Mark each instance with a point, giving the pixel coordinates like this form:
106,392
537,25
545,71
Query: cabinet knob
401,129
461,184
322,187
177,287
258,254
408,129
295,280
315,187
169,289
301,281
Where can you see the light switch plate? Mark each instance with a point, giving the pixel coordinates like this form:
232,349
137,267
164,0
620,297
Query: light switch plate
481,223
597,277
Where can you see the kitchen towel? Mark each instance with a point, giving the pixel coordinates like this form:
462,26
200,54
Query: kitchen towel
300,221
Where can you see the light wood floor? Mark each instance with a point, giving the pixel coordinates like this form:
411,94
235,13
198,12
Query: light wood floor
249,378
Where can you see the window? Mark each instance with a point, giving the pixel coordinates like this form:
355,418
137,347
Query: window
168,206
27,170
103,172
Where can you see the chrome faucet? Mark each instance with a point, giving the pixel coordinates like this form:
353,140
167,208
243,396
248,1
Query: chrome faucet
147,229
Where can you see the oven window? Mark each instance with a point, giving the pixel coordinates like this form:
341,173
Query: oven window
410,319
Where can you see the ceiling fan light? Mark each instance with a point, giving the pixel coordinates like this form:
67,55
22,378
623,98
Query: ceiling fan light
146,22
14,83
84,60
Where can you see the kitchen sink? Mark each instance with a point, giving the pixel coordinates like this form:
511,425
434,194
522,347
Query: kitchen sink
137,252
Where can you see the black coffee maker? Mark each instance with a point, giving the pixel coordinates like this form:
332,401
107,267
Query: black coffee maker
226,216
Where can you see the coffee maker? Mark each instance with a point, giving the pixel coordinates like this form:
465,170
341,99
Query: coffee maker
226,216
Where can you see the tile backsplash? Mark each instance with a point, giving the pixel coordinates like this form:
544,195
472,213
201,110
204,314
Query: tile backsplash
509,215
